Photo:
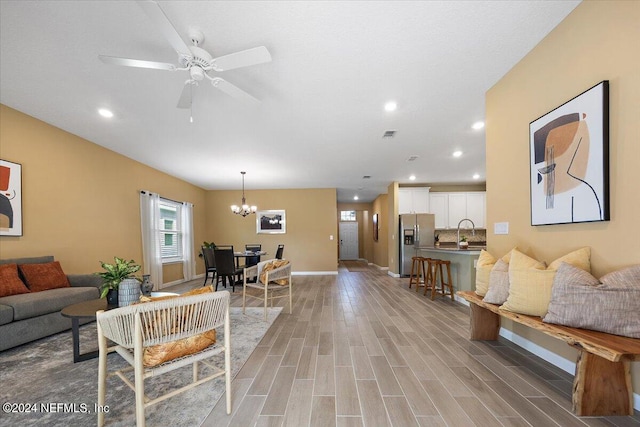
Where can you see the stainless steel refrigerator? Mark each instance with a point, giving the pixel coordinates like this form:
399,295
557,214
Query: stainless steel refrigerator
416,230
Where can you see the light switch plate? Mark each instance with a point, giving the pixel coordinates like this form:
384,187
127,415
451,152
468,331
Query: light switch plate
501,228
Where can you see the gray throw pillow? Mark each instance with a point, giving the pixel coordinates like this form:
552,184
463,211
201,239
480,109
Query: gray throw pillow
498,283
611,304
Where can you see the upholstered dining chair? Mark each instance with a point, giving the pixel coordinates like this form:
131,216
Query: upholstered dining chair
272,281
209,264
148,336
279,251
226,267
252,260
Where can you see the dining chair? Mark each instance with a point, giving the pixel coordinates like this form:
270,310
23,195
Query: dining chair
186,323
252,260
272,279
226,268
209,264
279,251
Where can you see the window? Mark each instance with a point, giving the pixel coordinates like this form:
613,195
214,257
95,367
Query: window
170,234
347,215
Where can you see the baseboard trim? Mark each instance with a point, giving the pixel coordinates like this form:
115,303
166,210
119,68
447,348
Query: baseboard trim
392,274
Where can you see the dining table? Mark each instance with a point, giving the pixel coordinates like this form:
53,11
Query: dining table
245,254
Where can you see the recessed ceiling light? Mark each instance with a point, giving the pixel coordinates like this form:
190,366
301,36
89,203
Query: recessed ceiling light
476,176
355,197
412,178
390,106
478,125
457,153
105,113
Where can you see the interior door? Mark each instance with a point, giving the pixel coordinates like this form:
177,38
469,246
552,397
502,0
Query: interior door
348,240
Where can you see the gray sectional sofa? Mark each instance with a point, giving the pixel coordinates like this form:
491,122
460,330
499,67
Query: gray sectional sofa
30,316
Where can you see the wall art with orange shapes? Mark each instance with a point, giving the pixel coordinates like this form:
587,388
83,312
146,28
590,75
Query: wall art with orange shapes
10,199
569,160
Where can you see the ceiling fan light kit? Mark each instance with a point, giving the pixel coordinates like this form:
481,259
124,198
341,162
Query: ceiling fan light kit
193,58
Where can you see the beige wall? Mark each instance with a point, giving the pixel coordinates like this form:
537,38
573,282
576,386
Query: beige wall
597,41
311,218
80,200
380,248
364,217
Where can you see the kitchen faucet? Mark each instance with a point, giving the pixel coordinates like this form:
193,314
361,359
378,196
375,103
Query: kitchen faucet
473,229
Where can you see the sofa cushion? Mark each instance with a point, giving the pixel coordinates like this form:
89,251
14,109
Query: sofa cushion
530,282
611,304
10,283
273,265
498,283
6,314
41,277
26,306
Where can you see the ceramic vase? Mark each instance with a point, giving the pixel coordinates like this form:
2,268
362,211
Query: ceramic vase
128,292
146,286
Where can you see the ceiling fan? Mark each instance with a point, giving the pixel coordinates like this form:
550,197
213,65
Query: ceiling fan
197,61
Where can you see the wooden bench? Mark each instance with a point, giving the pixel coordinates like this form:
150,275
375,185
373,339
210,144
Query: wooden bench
602,382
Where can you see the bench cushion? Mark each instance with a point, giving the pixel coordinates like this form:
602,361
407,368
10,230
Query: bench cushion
485,263
530,282
498,283
611,304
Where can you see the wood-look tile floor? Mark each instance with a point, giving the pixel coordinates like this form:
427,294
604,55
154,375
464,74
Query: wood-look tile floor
361,349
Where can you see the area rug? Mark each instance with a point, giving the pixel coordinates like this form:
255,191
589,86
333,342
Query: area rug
43,372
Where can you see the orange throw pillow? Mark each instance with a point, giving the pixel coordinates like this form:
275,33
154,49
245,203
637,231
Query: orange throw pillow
40,277
10,283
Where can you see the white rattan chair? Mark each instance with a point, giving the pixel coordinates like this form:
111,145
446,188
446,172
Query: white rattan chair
269,289
136,327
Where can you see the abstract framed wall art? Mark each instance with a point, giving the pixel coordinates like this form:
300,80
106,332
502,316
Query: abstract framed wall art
569,160
10,198
271,222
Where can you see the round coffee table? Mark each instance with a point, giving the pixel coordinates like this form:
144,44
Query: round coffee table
83,310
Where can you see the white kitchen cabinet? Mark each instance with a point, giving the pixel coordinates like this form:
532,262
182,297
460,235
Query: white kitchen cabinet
413,200
476,208
439,205
457,208
452,207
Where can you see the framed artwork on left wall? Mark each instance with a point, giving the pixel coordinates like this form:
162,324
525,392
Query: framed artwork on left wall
10,198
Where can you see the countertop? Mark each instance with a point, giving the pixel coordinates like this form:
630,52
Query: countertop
472,250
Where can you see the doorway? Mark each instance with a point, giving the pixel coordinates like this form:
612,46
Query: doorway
348,240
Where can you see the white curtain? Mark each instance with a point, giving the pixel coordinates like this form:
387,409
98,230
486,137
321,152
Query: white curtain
189,261
150,222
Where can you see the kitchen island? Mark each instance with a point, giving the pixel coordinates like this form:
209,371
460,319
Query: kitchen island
463,263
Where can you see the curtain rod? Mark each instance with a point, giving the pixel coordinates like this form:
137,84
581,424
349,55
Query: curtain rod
164,198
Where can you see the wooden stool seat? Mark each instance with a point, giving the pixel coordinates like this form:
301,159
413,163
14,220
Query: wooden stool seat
440,285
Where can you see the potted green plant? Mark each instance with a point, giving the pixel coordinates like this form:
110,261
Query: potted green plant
113,275
463,242
436,240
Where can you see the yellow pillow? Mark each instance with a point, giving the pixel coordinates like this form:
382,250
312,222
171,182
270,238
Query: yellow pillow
272,266
530,281
157,354
483,269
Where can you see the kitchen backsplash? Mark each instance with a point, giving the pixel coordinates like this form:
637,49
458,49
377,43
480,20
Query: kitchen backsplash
450,236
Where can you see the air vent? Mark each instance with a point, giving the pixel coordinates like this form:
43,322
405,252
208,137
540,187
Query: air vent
389,134
366,177
412,158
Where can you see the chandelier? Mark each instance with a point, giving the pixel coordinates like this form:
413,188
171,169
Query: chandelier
244,209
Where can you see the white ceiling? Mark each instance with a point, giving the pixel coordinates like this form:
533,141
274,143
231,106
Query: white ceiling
321,119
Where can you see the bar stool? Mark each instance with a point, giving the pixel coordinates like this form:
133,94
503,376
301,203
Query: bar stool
417,271
439,275
429,275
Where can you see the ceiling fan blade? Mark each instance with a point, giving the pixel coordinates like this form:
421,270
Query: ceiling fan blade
155,13
137,63
232,90
244,58
185,96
